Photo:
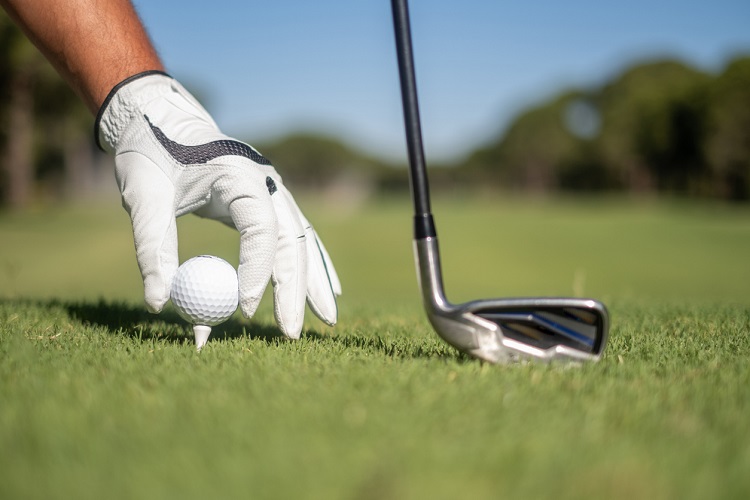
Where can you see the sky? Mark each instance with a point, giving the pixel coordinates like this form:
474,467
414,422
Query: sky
267,69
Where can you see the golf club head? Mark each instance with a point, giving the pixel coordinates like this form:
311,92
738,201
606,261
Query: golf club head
505,330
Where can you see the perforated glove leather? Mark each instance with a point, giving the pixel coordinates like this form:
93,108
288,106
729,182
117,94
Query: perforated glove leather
171,159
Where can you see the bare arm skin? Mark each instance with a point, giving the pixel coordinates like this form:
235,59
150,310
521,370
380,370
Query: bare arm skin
93,44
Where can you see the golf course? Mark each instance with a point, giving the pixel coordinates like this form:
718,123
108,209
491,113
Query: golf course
101,399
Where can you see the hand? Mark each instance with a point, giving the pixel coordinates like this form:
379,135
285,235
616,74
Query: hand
171,159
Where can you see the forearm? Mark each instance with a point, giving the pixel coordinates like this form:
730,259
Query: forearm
93,44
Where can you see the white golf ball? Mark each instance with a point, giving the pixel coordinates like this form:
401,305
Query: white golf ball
205,290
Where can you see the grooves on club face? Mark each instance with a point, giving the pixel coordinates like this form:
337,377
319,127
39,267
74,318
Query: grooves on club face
509,329
545,327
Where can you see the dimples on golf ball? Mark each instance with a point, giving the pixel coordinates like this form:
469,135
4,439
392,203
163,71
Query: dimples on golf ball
205,290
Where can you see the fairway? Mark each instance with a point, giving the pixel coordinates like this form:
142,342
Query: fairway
102,400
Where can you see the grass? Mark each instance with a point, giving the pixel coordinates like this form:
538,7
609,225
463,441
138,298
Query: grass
103,400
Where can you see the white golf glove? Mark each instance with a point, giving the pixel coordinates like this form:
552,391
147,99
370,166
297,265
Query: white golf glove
171,159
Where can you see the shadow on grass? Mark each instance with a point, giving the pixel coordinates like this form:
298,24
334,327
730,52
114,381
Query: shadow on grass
396,348
136,322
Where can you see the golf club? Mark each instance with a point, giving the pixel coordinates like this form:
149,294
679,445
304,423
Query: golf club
494,330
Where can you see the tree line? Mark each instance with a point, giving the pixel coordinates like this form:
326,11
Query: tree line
658,127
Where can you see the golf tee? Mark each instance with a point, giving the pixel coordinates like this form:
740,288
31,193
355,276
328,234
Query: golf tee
202,332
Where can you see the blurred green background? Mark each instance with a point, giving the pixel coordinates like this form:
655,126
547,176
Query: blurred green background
636,186
609,248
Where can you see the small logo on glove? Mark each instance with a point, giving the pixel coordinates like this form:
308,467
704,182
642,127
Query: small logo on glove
271,185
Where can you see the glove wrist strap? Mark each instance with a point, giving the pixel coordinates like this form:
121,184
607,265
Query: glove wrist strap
107,101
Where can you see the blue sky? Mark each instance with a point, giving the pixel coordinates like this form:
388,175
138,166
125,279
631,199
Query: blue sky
265,69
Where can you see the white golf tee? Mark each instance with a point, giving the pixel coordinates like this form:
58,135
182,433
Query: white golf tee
202,332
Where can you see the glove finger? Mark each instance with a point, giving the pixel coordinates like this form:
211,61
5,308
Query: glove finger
322,280
320,294
148,197
256,221
289,276
332,274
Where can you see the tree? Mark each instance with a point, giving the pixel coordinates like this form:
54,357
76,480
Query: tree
548,147
652,127
45,137
19,61
728,130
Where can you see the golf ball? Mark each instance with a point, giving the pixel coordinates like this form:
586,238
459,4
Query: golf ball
205,290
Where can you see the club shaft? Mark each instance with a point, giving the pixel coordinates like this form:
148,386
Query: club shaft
423,223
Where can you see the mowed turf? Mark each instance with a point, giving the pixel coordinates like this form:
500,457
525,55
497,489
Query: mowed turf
99,399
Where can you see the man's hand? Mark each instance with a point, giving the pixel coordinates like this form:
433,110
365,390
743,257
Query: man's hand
171,159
